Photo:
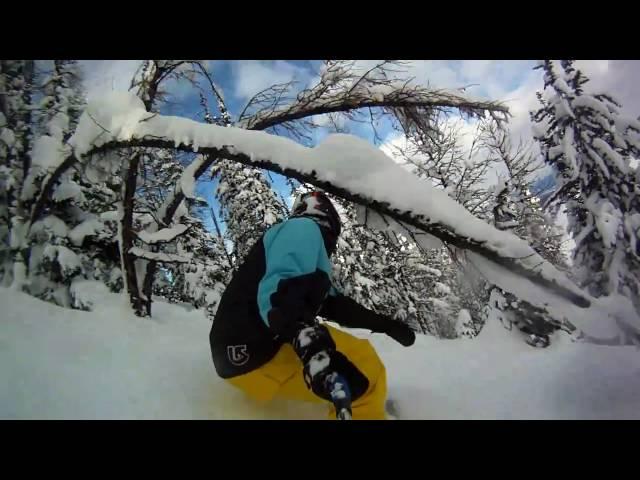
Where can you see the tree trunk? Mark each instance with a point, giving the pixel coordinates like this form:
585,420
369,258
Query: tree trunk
128,236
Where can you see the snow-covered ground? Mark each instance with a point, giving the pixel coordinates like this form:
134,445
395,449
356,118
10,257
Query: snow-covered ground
57,363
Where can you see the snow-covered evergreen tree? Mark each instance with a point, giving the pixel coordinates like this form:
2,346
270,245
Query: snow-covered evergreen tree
590,145
248,204
368,268
16,138
73,242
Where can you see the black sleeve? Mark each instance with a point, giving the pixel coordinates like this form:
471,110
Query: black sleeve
296,302
348,313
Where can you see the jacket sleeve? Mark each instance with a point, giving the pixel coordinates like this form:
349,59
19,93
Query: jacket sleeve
348,313
293,286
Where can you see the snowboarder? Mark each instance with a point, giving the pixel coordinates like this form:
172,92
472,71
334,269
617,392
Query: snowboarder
266,339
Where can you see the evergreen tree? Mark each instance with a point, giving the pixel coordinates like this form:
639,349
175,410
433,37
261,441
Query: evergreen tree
589,144
16,137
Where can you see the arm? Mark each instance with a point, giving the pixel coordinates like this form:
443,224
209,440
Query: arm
348,313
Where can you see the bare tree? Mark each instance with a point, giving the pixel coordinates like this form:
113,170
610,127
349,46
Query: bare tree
438,153
522,165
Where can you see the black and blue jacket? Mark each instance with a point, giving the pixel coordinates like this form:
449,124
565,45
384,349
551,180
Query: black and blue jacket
283,281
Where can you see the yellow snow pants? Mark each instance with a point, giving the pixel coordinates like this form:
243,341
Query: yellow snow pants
282,378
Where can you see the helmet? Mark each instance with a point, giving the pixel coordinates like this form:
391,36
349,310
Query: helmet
317,205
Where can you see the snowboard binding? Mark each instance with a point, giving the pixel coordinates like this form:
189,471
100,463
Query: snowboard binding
340,395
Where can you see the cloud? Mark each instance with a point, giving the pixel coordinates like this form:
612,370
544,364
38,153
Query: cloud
617,77
435,73
252,76
102,76
515,83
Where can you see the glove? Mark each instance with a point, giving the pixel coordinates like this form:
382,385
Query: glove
401,333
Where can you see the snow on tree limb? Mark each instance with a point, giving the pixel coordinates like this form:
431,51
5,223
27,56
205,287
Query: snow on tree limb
158,256
164,235
343,165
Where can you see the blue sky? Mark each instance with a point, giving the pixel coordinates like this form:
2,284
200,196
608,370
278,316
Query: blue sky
239,80
511,81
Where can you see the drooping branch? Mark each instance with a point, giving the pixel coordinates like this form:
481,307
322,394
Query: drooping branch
391,97
418,221
344,88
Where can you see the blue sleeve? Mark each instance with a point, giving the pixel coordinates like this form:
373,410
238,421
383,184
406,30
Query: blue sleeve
291,249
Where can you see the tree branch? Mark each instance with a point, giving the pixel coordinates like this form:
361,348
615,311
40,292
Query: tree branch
157,257
397,98
418,221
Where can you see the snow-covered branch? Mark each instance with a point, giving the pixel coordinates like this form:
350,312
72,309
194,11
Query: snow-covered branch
343,165
158,256
163,235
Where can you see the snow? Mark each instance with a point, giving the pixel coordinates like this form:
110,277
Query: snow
109,364
112,116
599,320
425,268
53,224
68,190
561,85
562,108
463,323
47,152
7,136
86,294
344,160
611,154
19,276
623,123
58,125
163,235
569,150
67,259
599,162
608,219
84,229
158,256
440,305
442,289
587,101
110,216
187,180
632,227
539,129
